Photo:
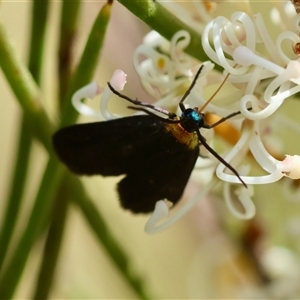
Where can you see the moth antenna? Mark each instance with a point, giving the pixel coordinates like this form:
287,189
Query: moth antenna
214,94
148,112
140,103
181,105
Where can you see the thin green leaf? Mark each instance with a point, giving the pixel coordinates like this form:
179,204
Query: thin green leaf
52,244
13,201
68,27
69,17
54,173
40,12
38,28
25,89
38,219
87,65
113,249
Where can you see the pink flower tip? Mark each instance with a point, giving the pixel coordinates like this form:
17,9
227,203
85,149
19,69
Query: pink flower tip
291,166
293,68
118,80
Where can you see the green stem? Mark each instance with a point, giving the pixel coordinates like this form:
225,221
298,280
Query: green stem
165,23
68,27
97,224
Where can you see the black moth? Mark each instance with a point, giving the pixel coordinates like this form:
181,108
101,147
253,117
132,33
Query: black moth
156,155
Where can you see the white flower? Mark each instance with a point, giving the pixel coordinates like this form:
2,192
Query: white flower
262,75
265,82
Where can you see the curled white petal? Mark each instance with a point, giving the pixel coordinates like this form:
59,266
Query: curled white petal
221,58
205,17
226,36
118,82
245,78
194,20
179,42
286,36
153,226
253,81
248,25
256,113
161,211
246,57
88,91
233,34
165,74
154,39
261,155
278,90
291,166
107,93
210,52
237,152
265,160
153,66
282,81
244,197
250,138
266,38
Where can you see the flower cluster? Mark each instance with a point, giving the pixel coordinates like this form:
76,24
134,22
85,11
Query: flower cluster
263,75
